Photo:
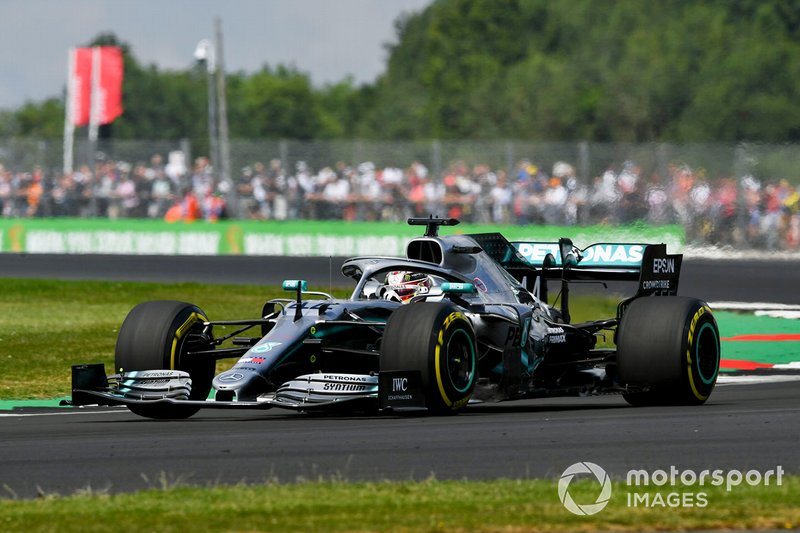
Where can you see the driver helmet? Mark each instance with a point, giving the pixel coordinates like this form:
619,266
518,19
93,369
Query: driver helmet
402,285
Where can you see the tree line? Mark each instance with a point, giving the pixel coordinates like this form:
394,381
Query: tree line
595,70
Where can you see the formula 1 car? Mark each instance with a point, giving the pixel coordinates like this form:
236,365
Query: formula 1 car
461,319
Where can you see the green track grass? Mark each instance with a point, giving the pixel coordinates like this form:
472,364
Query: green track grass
514,506
47,326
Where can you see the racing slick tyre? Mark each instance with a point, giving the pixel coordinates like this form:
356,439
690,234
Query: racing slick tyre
669,346
157,335
436,339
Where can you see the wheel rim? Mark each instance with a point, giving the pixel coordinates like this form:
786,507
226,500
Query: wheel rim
707,354
460,360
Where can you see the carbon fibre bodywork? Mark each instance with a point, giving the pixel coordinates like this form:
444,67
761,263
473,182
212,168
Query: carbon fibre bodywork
313,351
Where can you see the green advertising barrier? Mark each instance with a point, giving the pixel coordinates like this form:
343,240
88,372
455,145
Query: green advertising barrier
277,238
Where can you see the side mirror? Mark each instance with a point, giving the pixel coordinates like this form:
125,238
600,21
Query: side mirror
458,288
298,285
295,284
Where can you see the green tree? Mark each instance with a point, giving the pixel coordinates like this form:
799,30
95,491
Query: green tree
604,70
339,108
44,120
599,70
277,103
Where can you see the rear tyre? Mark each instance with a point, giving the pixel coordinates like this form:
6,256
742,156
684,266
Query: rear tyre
157,335
436,339
668,346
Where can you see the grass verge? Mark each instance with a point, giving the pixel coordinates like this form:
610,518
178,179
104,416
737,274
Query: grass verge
503,505
48,326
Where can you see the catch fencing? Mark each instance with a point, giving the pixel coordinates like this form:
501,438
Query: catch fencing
768,162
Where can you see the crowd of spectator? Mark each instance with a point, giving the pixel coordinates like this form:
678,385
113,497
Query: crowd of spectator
114,190
723,210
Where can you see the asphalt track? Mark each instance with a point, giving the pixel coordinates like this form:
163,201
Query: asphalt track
711,280
741,427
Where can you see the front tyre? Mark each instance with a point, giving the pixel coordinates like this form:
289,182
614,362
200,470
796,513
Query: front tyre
668,346
158,335
436,339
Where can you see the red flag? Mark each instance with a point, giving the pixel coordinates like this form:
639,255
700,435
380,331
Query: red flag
81,85
109,84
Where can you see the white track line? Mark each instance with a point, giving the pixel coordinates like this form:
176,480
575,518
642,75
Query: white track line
755,306
62,412
794,365
728,253
792,315
749,379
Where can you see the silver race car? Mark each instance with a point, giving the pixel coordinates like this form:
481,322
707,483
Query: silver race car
461,319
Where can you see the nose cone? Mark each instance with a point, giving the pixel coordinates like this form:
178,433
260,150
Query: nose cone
245,385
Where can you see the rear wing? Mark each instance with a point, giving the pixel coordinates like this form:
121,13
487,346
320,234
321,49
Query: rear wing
656,271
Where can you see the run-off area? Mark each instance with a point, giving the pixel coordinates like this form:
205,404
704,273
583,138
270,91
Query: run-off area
758,335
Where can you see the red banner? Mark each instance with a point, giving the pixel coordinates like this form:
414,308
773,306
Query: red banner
107,88
81,85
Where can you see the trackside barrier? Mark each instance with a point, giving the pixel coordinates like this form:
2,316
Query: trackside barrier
270,238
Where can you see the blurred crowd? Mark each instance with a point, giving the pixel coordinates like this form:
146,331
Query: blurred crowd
762,214
115,189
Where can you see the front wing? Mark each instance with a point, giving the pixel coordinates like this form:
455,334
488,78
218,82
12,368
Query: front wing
322,391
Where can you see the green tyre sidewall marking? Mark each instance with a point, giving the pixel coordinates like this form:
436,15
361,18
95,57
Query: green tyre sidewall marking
470,345
713,378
